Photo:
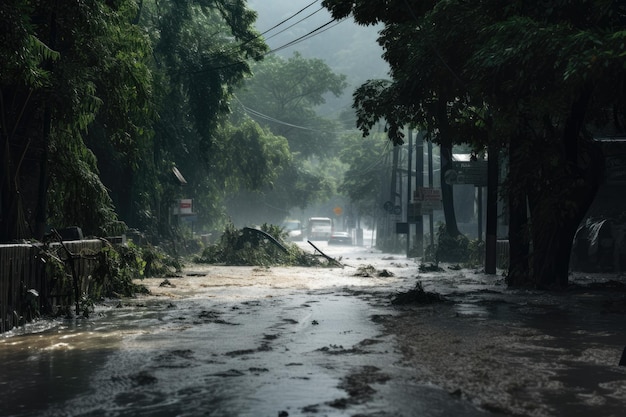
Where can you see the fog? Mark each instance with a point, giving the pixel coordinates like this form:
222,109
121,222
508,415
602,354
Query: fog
346,47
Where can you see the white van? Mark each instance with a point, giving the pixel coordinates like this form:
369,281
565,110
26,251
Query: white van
319,228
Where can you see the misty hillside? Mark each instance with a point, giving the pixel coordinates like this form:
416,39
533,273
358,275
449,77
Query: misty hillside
346,47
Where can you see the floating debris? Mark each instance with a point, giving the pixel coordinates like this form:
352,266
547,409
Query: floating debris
417,296
370,271
430,268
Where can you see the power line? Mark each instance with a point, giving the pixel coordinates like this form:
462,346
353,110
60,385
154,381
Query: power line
374,164
283,22
294,24
309,35
320,29
260,115
291,17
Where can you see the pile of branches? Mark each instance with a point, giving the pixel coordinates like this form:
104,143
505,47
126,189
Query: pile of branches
265,246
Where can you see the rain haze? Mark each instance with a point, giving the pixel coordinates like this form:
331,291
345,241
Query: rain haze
183,237
348,48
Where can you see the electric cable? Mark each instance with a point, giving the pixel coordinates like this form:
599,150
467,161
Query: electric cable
260,115
294,24
282,22
291,17
385,152
320,29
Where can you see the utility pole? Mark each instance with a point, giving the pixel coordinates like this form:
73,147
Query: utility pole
492,210
394,193
408,193
419,182
431,185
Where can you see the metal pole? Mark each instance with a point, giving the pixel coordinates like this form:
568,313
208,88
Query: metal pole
419,182
408,193
492,211
479,215
431,184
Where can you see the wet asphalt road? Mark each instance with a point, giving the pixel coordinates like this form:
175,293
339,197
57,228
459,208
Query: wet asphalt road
245,341
224,341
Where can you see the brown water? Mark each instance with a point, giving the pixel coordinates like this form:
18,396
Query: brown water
249,341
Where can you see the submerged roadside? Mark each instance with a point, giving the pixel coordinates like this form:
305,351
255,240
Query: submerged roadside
520,352
298,341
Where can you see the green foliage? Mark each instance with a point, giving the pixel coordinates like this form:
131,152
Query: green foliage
451,249
143,87
243,247
283,95
200,52
118,266
536,79
60,281
157,263
476,249
457,250
76,195
363,179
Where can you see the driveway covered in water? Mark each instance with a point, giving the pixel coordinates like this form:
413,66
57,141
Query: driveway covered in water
245,341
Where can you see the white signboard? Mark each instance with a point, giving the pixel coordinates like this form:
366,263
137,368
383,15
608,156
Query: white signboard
185,206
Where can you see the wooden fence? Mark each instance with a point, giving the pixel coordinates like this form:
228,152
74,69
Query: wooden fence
502,254
43,278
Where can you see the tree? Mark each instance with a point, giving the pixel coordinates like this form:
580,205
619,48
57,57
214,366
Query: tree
50,93
201,51
283,96
363,180
123,92
538,77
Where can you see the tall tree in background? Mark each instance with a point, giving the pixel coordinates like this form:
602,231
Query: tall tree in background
367,172
540,76
284,95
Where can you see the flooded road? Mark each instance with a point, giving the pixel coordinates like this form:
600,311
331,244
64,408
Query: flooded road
244,341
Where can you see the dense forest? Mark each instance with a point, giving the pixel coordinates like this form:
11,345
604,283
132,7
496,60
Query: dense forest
114,111
535,81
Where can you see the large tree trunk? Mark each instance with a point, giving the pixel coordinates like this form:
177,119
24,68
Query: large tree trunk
445,150
519,273
564,195
555,220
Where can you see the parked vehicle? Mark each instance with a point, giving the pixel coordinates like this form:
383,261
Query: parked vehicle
319,228
293,229
340,238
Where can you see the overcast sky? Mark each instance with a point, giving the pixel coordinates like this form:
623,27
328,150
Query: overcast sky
346,47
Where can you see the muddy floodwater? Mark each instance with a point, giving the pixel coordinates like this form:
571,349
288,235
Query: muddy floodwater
285,341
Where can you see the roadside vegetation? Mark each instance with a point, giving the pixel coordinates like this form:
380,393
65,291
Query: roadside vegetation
248,247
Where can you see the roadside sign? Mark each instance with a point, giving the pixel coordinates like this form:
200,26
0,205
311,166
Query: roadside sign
426,200
185,206
427,194
467,172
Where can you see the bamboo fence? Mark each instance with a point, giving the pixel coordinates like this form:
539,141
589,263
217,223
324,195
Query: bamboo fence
26,287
